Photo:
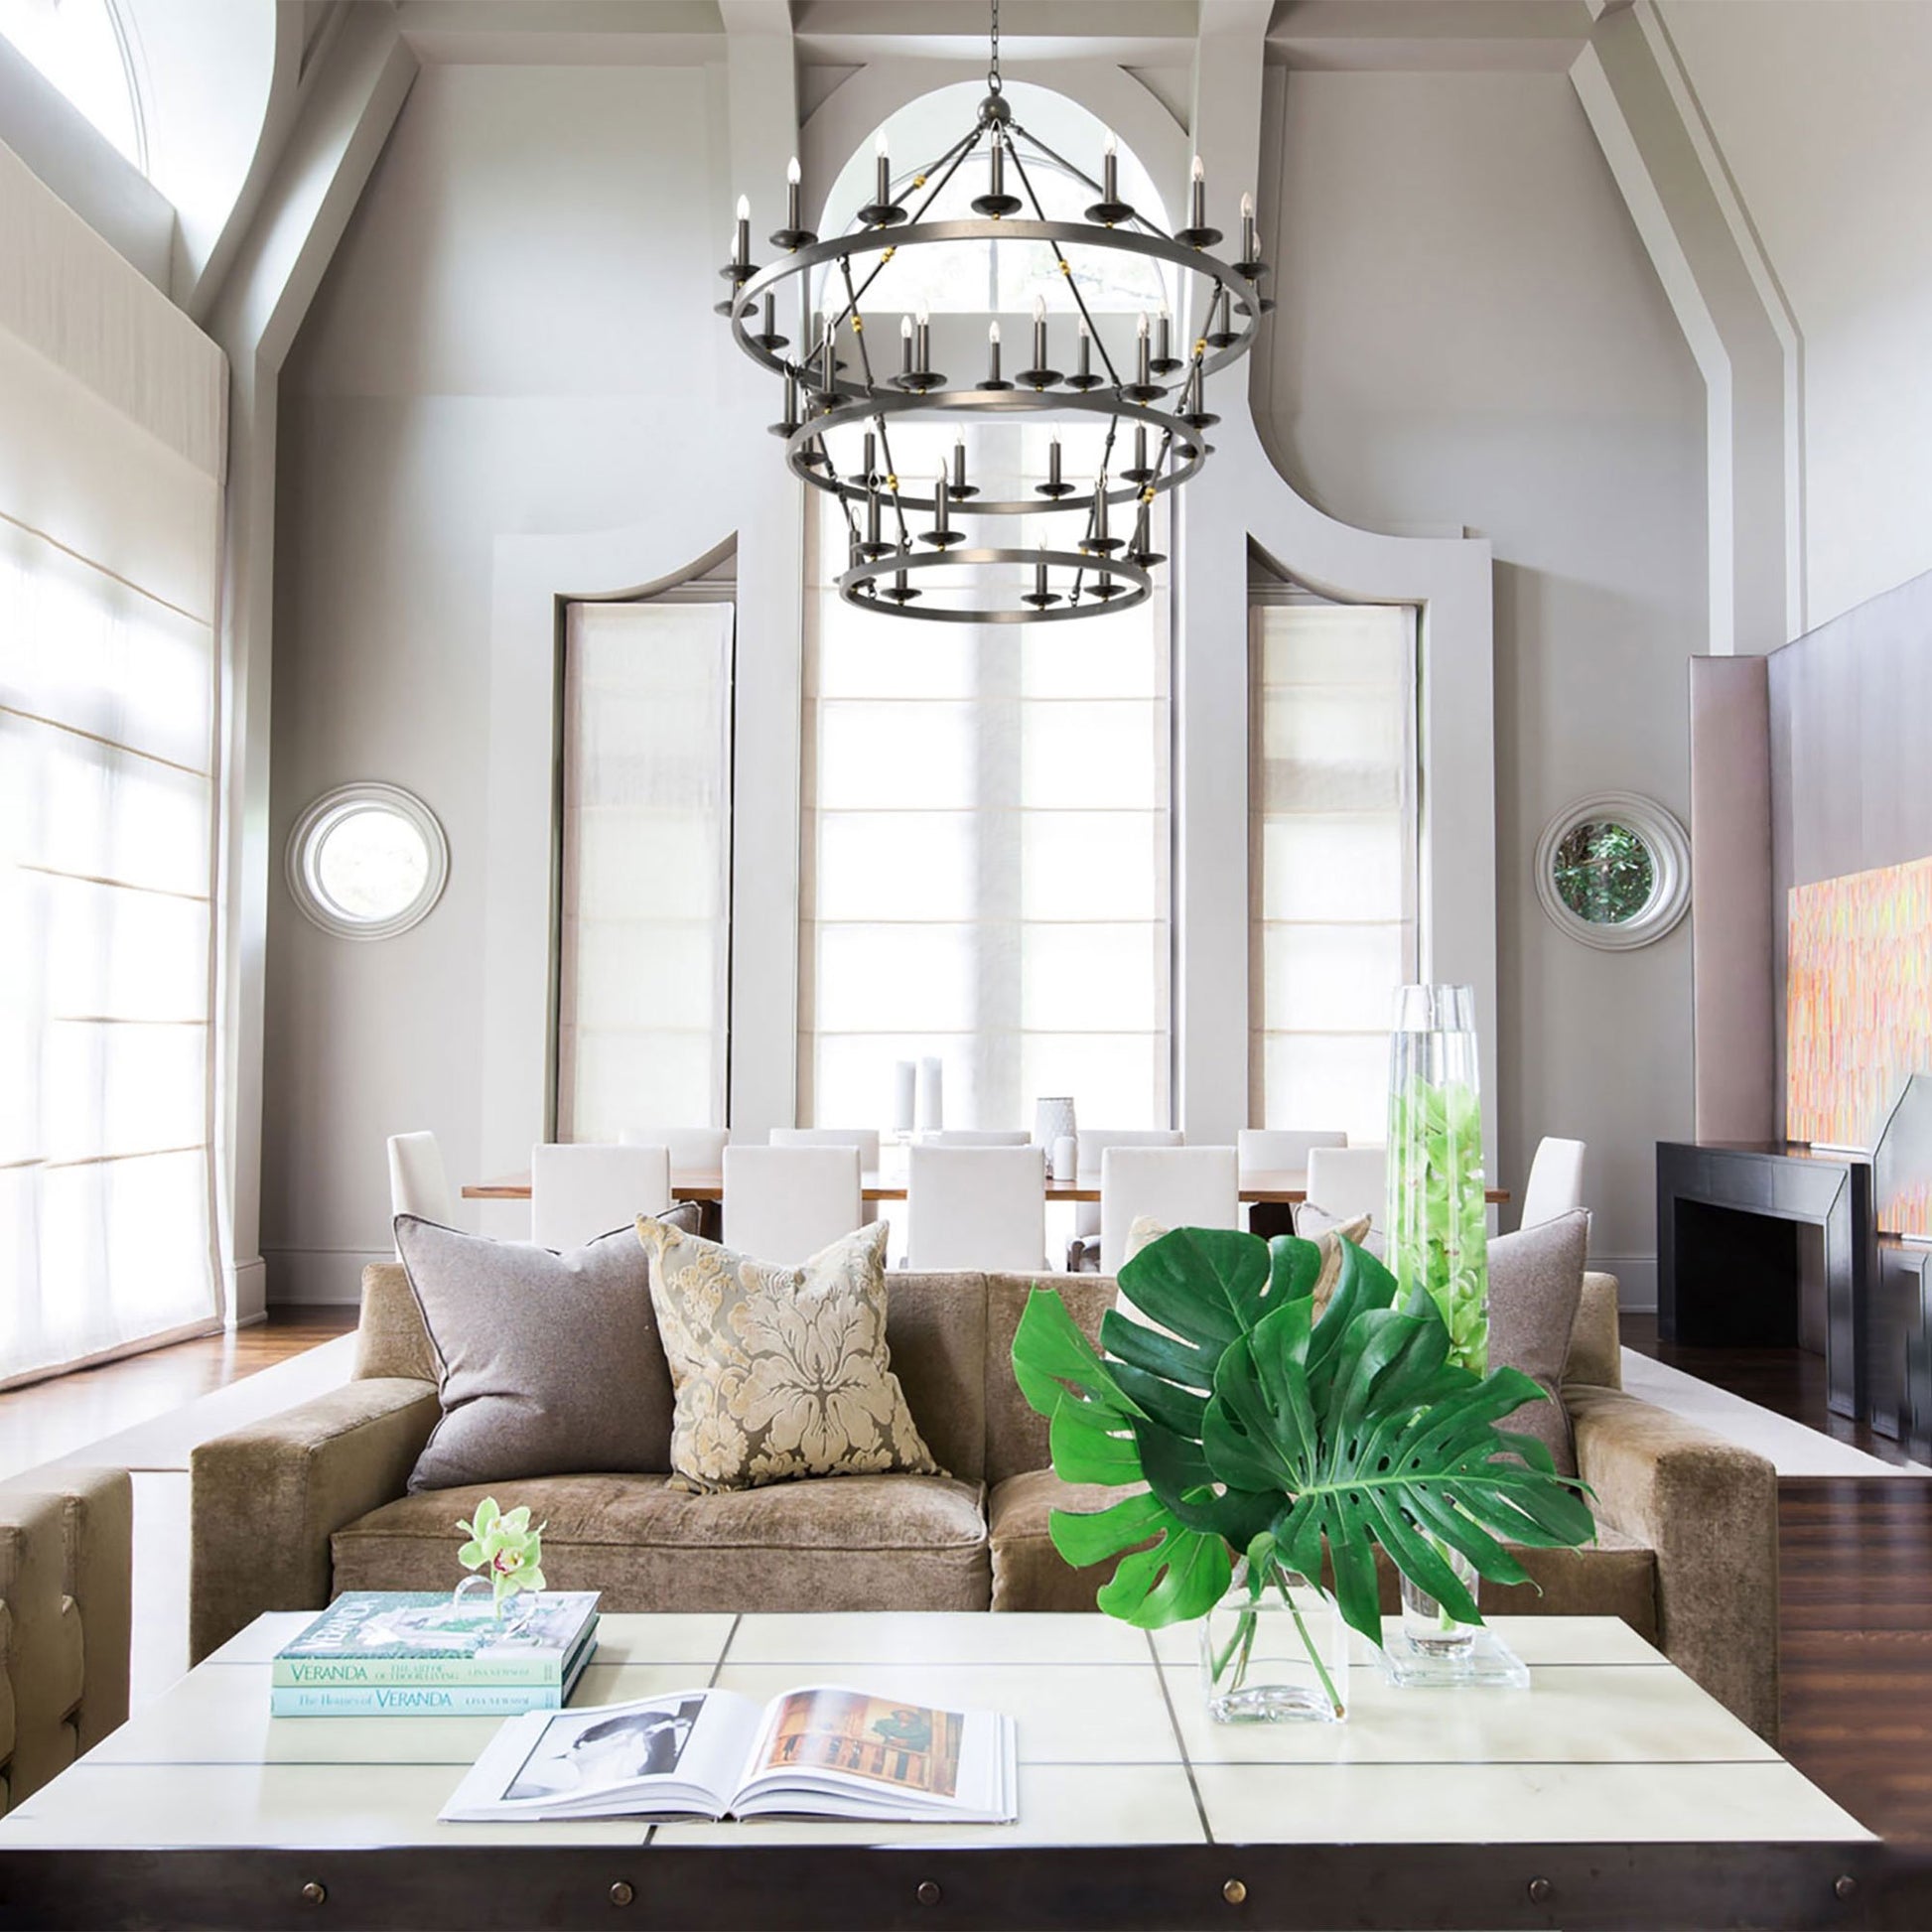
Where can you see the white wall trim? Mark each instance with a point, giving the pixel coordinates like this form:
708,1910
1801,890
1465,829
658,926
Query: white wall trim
1636,1280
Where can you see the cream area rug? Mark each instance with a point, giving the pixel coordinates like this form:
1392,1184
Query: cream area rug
1791,1448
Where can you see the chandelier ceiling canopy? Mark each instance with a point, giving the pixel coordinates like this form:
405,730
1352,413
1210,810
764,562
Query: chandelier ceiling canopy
842,395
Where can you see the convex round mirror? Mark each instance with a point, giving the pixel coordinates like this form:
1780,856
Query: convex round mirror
1615,869
367,861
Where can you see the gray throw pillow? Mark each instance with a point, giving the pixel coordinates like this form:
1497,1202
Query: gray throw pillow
550,1364
1536,1283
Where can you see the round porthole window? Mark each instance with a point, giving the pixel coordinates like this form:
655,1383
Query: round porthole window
367,861
1615,871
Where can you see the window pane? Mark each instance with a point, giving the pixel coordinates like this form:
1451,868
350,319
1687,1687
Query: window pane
647,868
987,870
1332,848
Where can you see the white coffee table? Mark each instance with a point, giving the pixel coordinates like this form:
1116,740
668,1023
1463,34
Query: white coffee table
1610,1786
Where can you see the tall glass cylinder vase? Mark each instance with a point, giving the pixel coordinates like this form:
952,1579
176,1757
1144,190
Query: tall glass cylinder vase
1437,1223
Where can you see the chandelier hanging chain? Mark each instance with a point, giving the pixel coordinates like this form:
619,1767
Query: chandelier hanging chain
993,71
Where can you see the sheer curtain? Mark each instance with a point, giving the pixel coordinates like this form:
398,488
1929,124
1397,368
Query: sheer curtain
1332,856
110,451
985,866
646,945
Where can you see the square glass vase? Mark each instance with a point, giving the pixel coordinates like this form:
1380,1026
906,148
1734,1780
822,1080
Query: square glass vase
1274,1650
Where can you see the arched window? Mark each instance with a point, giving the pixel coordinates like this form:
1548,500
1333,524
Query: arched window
986,874
83,46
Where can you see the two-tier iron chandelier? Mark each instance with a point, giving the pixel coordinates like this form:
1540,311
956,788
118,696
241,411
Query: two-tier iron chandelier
839,414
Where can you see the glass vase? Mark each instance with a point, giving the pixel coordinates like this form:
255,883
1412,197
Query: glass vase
1431,1631
1274,1650
1438,1228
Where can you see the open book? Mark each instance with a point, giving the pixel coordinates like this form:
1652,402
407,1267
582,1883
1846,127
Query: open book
819,1751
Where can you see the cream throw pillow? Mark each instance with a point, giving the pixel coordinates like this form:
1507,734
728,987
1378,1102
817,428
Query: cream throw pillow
1144,1228
779,1372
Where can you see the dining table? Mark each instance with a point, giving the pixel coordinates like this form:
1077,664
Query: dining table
1281,1185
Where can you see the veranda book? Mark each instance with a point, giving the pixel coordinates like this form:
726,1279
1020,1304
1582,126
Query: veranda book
819,1751
421,1699
415,1637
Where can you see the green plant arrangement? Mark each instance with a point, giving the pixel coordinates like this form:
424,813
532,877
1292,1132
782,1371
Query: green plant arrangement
1252,1432
1439,1230
503,1547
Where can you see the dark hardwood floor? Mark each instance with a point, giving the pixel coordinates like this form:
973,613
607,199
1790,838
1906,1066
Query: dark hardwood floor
1855,1598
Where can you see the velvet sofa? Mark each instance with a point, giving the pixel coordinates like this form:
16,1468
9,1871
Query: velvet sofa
290,1511
67,1540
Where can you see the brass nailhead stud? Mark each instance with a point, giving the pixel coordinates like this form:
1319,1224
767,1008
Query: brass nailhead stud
1539,1890
929,1891
1235,1892
622,1893
1847,1886
316,1893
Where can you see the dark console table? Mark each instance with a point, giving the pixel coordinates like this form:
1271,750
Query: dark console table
1729,1216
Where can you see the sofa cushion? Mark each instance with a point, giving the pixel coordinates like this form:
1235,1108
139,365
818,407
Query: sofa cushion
1614,1576
1028,1573
549,1363
862,1541
935,1327
1145,1230
1016,1437
1535,1281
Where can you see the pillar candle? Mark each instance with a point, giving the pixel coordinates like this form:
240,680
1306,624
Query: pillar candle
905,1077
932,1099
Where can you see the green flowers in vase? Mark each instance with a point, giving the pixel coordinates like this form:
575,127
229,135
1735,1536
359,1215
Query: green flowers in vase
1439,1229
1249,1425
503,1547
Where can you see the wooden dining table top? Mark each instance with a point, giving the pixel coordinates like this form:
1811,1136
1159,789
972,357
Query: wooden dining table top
1283,1186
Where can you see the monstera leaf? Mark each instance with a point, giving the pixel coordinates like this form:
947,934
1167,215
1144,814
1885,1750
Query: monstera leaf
1253,1425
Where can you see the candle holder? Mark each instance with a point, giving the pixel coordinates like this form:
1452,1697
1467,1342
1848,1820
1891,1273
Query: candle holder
1197,234
1055,484
1040,377
996,204
794,234
1163,360
994,379
899,591
1219,331
882,212
769,336
1083,378
1110,211
961,489
1143,471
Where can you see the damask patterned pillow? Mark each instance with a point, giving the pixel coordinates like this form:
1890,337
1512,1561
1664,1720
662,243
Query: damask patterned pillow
779,1372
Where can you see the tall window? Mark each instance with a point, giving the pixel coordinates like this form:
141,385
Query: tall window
986,840
1332,853
84,49
644,942
106,710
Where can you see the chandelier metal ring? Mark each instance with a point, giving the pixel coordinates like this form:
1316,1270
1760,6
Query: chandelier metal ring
1139,582
1189,447
1147,387
748,300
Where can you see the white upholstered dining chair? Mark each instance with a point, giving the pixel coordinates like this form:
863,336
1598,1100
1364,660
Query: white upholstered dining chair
975,1136
1179,1186
693,1150
1347,1182
784,1203
587,1189
1556,1184
864,1139
418,1182
1282,1150
1091,1144
977,1207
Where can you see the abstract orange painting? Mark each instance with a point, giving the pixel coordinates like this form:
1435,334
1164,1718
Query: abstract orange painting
1857,1001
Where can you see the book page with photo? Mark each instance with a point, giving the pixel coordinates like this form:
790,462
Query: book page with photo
818,1751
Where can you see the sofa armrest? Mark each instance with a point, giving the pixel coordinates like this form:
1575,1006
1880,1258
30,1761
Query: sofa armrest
66,1541
1709,1512
267,1499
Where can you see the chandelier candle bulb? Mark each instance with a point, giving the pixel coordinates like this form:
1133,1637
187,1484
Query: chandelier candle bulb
1197,197
791,193
1100,539
1145,376
940,535
905,344
923,342
884,174
993,377
1086,349
742,234
1039,571
1249,252
1039,331
1110,170
1163,336
999,167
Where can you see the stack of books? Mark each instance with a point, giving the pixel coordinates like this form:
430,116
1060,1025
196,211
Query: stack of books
416,1654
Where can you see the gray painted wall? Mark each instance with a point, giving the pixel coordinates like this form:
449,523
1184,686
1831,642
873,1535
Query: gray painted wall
1471,335
513,335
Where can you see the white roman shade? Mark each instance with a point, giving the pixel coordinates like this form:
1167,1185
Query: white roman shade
111,436
1333,857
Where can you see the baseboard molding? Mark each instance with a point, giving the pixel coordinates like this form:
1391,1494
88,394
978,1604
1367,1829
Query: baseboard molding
247,1287
318,1275
1636,1280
